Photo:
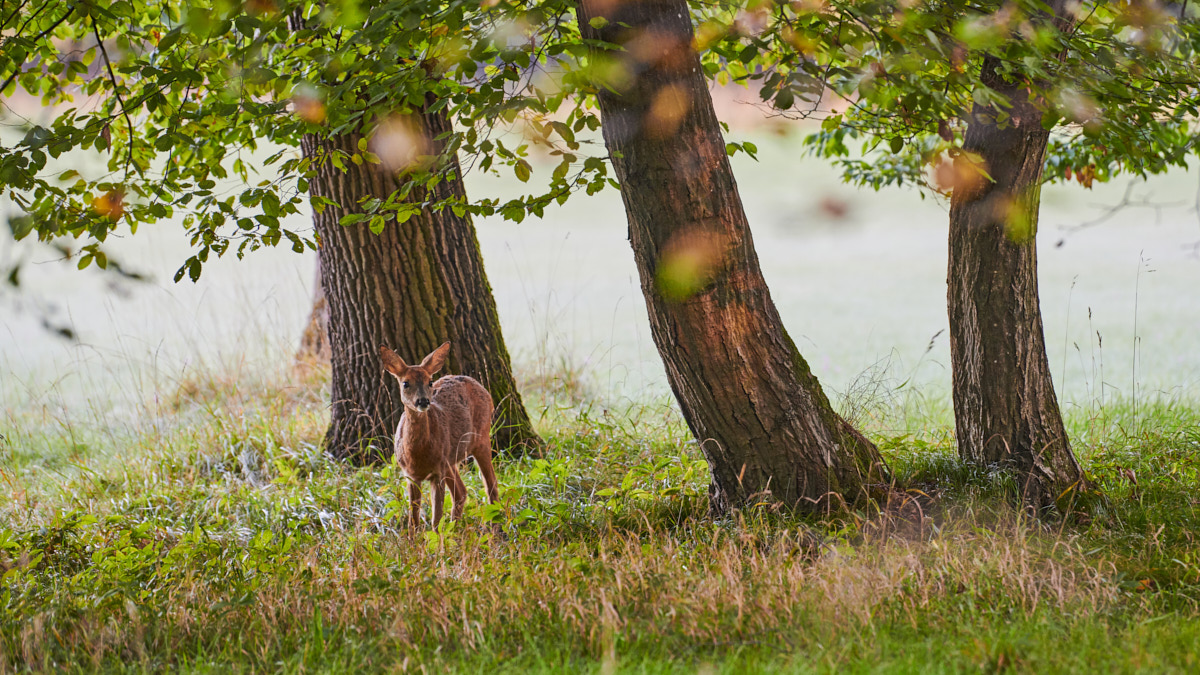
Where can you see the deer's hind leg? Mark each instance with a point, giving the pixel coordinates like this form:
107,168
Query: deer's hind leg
482,452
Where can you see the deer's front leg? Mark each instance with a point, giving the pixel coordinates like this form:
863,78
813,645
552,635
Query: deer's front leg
414,504
439,496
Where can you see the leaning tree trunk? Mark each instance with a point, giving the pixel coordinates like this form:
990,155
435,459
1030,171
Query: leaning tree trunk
411,287
748,396
1005,409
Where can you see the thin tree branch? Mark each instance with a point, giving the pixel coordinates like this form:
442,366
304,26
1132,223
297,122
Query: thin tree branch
1127,201
17,70
26,2
116,92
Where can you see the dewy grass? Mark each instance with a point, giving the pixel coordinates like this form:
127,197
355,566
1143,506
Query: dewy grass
213,534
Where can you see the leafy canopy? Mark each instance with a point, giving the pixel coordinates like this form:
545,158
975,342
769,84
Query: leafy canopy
197,109
1118,82
164,108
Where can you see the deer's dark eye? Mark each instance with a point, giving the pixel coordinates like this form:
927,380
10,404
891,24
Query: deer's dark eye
407,385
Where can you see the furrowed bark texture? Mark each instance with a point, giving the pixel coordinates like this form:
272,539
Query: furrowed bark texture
1005,409
748,396
411,287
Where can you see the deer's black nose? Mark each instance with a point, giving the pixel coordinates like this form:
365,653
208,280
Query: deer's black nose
422,403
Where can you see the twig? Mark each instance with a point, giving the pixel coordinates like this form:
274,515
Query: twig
21,65
26,2
1126,201
116,92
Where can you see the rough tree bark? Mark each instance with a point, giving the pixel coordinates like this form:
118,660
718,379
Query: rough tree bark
748,396
1005,409
411,287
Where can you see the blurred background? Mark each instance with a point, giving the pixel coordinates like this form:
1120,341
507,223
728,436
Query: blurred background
858,276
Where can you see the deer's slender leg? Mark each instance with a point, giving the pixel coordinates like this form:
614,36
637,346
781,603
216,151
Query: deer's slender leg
458,494
414,504
439,498
483,457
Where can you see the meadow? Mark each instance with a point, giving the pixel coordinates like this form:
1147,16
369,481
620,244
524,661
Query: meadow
216,536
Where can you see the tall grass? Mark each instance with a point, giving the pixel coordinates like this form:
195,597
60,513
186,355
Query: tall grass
209,532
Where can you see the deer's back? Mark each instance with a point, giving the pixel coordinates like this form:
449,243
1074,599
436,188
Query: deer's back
466,411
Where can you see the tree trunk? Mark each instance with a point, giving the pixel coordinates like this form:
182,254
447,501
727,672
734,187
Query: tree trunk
411,287
1005,409
314,341
748,396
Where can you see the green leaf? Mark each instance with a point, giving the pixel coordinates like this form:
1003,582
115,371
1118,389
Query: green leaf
21,226
169,40
523,170
405,212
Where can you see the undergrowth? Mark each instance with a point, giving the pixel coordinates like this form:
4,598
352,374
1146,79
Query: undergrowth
208,531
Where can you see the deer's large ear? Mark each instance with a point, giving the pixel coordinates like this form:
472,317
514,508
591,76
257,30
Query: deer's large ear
391,362
437,359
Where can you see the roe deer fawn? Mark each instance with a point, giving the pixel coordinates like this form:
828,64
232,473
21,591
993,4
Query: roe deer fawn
443,423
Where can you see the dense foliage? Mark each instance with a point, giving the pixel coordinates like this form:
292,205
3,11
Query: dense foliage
195,109
1119,83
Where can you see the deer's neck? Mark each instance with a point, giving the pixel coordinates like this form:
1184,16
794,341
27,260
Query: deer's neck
418,427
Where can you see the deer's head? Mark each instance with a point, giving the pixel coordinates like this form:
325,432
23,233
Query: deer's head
415,381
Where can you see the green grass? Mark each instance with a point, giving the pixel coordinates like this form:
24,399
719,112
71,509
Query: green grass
207,532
